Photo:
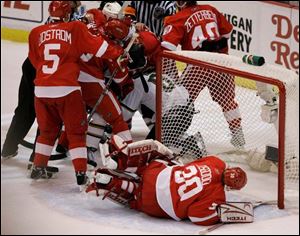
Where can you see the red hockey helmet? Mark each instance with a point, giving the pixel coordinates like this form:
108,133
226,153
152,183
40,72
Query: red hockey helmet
97,16
117,29
60,10
235,178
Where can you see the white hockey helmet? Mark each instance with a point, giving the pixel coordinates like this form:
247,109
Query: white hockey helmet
111,10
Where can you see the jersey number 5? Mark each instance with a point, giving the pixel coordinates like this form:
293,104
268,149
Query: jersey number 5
190,183
51,57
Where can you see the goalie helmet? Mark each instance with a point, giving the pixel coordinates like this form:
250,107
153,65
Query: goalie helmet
111,10
235,178
60,10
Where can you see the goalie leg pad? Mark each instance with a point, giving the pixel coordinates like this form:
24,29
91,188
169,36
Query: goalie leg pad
269,113
266,93
257,161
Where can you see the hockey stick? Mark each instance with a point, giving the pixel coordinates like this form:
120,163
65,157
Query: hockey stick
53,157
59,156
255,205
26,144
106,89
124,175
52,169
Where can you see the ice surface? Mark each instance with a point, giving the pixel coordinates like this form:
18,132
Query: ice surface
55,206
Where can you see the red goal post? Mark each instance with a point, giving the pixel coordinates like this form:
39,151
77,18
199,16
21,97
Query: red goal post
204,65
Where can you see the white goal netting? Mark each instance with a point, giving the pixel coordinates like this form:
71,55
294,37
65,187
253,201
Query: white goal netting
241,112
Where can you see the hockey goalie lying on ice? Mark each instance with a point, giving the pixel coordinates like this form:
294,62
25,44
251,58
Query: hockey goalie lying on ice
147,178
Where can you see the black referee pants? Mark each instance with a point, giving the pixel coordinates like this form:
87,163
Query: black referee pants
24,113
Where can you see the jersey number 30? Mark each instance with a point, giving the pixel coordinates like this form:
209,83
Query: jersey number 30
189,183
51,57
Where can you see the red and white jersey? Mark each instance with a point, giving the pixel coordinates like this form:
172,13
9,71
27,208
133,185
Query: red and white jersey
193,25
91,69
55,49
151,46
191,191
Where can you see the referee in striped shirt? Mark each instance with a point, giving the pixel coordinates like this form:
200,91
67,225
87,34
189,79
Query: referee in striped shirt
151,13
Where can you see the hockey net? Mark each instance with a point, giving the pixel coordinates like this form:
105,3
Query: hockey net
197,119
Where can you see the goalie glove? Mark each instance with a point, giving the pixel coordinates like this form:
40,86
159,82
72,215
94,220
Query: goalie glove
236,212
137,59
114,185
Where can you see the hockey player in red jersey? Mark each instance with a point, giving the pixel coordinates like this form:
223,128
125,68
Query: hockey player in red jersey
143,96
166,189
204,28
54,50
141,69
92,82
131,92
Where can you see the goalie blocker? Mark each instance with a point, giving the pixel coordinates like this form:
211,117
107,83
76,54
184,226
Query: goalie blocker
236,212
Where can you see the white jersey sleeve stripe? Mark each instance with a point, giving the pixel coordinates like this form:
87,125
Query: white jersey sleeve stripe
114,101
87,78
163,192
102,49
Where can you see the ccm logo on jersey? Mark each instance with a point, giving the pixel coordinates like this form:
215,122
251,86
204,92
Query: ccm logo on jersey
236,212
140,150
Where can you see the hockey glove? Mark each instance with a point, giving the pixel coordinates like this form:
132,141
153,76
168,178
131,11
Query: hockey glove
137,59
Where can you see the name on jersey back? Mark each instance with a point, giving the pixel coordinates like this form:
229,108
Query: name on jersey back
58,34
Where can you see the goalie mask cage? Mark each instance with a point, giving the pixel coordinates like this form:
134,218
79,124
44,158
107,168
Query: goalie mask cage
185,108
